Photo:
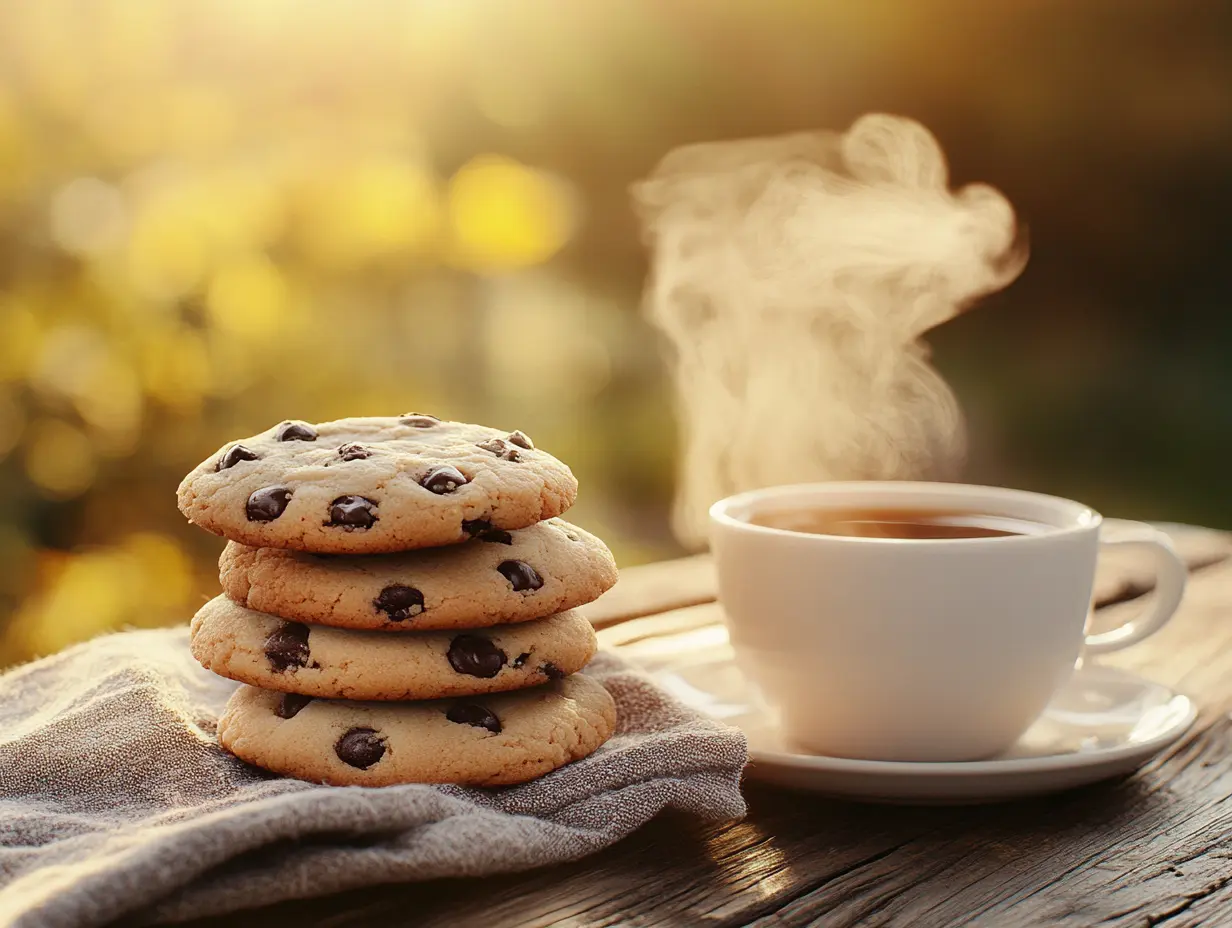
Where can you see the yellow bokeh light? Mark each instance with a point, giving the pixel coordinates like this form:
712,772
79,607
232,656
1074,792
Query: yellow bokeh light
19,339
89,594
77,363
166,571
126,127
166,253
129,40
176,368
59,459
375,210
199,119
240,209
52,34
248,297
66,353
110,400
141,582
88,216
504,215
185,228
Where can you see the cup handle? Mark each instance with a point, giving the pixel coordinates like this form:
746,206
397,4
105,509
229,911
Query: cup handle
1171,575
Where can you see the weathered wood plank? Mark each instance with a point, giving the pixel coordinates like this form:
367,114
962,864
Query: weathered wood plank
1153,849
626,636
653,588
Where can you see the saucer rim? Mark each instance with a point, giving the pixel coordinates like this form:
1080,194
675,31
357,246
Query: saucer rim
998,766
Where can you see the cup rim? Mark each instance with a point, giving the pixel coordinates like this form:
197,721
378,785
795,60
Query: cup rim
1082,517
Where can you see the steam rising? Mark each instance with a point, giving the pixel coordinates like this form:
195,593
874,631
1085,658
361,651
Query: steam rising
794,277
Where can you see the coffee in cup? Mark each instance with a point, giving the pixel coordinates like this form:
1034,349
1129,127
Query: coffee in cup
895,523
918,621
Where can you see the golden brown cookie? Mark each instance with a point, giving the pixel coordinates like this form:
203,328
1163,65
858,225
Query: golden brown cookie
496,578
485,741
316,660
371,485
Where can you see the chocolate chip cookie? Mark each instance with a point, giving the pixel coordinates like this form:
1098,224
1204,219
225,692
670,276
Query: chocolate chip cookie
486,741
371,485
315,660
495,578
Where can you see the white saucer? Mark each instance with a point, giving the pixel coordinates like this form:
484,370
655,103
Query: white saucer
1105,723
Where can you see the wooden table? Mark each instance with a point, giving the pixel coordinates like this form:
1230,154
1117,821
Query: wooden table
1155,849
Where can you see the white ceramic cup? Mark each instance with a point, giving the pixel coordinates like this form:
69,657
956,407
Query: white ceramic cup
919,649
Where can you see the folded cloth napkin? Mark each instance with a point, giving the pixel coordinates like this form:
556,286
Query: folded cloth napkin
116,801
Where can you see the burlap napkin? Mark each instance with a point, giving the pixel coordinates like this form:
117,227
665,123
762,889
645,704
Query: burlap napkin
116,801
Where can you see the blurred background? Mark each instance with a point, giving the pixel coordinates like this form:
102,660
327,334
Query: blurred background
218,214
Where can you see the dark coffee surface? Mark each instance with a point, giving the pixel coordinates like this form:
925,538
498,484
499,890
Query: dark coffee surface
896,523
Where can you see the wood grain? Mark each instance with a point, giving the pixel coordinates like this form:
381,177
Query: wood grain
1154,849
655,588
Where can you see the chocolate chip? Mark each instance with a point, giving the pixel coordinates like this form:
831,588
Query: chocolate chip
497,536
352,512
522,440
476,656
551,671
419,420
353,452
521,575
360,747
520,660
267,503
287,646
500,449
289,705
475,527
296,431
443,479
234,455
470,713
399,602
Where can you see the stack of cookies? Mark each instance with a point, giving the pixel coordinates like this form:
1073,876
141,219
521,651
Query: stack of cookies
400,601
